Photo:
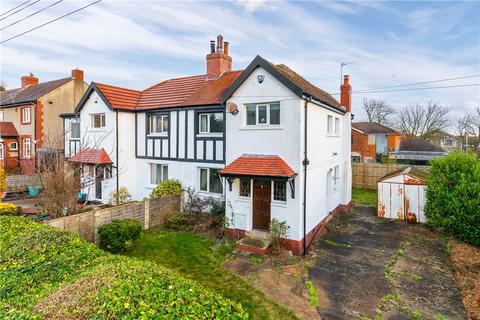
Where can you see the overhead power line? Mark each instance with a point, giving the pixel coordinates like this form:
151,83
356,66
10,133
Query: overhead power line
21,4
425,88
30,15
51,21
29,5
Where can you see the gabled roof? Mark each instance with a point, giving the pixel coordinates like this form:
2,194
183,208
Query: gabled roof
292,80
258,165
29,94
408,144
372,127
91,156
119,98
7,129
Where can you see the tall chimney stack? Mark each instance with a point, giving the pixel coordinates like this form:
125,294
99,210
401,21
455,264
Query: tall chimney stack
218,60
29,80
346,94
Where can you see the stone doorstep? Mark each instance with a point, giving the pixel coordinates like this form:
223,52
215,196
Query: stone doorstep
255,233
253,244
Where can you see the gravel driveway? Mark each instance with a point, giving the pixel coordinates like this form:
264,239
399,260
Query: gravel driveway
372,268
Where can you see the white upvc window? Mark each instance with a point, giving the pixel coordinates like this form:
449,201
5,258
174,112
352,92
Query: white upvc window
158,173
210,122
337,126
27,148
2,151
209,181
333,126
264,114
98,120
157,124
447,143
13,146
75,130
329,124
26,117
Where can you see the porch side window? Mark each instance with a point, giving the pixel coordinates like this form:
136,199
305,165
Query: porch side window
75,130
158,173
98,120
211,122
210,181
158,124
244,188
263,114
279,191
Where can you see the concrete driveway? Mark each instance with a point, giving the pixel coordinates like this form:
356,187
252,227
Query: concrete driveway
372,268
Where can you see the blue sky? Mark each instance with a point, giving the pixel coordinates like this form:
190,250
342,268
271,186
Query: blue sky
138,43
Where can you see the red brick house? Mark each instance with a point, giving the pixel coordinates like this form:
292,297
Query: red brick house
9,146
371,140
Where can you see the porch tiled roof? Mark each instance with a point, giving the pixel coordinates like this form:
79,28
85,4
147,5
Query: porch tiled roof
258,165
91,156
7,129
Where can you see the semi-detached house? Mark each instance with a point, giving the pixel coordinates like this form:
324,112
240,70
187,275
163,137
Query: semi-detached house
264,140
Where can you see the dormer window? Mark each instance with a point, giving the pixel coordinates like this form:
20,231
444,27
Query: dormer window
263,114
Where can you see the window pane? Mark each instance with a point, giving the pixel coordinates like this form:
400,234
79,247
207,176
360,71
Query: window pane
216,122
251,115
329,124
203,123
203,179
96,121
215,182
152,173
279,191
275,113
103,119
75,130
244,188
165,173
157,127
165,124
337,126
262,114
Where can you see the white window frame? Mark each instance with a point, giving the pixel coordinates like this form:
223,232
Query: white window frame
337,126
27,147
71,130
207,114
2,115
273,193
26,115
2,151
208,181
329,124
10,146
152,123
152,175
335,177
257,115
103,120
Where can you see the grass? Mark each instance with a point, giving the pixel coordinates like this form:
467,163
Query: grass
365,196
312,292
196,257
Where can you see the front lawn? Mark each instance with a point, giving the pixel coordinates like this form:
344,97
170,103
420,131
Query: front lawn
365,196
198,258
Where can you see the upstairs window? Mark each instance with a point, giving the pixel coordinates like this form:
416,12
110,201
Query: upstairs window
158,173
210,122
447,143
263,114
98,120
158,124
75,130
333,126
210,181
337,126
26,115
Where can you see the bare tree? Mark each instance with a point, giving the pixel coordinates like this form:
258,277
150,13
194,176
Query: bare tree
377,111
423,121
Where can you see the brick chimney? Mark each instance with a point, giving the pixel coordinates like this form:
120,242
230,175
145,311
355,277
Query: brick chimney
29,80
346,94
77,74
218,60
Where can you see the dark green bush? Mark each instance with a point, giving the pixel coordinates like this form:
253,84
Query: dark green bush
54,274
170,187
453,196
117,235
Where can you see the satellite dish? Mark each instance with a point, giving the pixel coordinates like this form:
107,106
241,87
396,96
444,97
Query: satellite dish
232,108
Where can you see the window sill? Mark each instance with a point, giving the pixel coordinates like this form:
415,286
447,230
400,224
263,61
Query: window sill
261,128
210,194
281,204
209,135
333,135
243,199
153,135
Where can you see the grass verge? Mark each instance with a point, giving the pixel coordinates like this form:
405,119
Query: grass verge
365,196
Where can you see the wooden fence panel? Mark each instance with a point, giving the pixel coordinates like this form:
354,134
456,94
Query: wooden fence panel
366,175
161,209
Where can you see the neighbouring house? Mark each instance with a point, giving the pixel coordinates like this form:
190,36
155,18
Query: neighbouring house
9,142
371,141
264,140
33,110
416,151
447,141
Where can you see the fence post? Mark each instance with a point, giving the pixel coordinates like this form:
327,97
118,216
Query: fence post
146,210
95,234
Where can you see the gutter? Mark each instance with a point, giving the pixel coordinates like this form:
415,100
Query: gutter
116,151
305,163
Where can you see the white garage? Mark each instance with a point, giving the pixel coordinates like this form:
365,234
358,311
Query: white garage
402,194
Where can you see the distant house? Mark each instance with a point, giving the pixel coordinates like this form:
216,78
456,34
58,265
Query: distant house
447,141
416,151
371,140
30,115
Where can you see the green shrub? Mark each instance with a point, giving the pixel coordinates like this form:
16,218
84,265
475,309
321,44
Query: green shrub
278,231
453,196
54,274
170,187
177,222
8,209
123,196
117,235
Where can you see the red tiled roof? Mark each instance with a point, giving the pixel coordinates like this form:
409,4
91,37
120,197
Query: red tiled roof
372,127
120,98
259,165
91,156
7,129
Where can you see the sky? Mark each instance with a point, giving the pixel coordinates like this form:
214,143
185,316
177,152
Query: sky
136,44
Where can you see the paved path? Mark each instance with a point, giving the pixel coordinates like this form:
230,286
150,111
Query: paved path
368,267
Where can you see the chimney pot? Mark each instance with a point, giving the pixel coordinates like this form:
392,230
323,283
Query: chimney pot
346,94
29,80
219,43
225,47
218,61
212,46
77,74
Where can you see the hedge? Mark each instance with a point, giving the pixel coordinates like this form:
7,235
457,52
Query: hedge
453,196
49,273
115,236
